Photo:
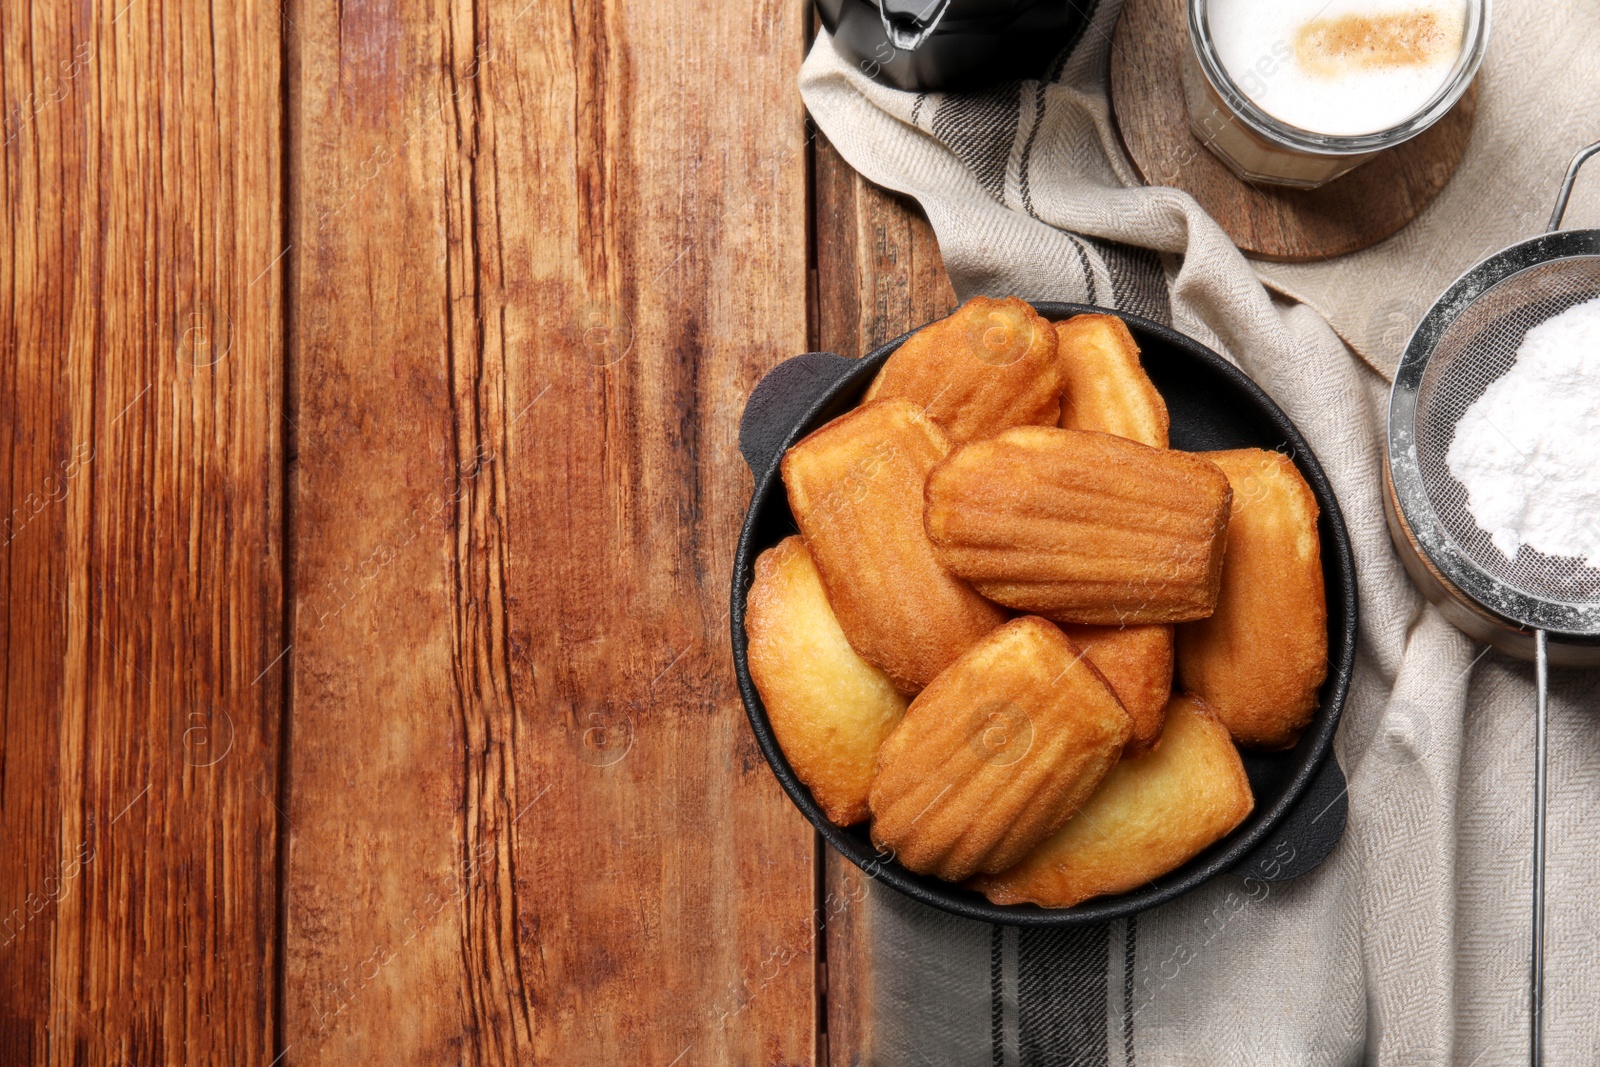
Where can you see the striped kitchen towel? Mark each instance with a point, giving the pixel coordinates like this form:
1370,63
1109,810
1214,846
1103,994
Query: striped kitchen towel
1410,944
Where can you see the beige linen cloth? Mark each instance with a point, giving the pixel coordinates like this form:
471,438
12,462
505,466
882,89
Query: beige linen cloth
1410,944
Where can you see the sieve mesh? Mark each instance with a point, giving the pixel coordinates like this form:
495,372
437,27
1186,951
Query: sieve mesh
1474,350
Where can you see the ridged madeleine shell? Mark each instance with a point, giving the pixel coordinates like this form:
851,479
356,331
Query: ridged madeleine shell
1151,815
996,753
855,487
1137,662
989,366
1082,527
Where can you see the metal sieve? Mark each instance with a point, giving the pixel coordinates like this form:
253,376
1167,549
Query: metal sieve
1530,605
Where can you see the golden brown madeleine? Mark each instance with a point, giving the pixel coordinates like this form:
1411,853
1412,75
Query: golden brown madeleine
1137,662
1262,657
830,709
1082,527
1152,814
990,365
1105,386
855,487
996,753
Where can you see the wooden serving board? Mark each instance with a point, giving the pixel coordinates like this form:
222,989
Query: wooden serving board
1360,209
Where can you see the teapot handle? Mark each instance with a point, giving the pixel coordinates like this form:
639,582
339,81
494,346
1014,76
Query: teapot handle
907,23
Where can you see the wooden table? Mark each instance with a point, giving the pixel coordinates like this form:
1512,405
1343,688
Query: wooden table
373,381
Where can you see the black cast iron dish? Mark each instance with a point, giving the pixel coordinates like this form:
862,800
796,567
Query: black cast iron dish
1300,794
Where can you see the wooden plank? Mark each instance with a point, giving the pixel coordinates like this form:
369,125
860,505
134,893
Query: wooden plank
142,335
879,274
544,252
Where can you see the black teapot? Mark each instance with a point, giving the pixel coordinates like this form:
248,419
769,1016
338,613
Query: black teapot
929,45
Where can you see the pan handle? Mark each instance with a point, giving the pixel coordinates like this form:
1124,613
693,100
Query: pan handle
1309,834
780,399
1566,185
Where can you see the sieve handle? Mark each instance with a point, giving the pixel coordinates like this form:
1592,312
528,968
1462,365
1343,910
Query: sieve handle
1566,185
1536,962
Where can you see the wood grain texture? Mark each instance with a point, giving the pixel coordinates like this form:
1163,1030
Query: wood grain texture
141,563
387,871
1267,222
541,260
879,274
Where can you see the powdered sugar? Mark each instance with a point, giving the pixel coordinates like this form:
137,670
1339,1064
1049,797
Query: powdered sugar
1528,450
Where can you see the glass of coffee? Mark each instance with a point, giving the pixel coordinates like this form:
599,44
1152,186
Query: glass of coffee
1298,92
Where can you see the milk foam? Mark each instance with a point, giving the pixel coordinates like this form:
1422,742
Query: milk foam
1314,64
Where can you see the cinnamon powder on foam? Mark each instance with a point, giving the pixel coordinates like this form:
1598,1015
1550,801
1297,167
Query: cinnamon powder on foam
1332,46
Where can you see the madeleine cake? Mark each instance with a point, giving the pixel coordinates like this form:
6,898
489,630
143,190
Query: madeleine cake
1105,387
1151,815
1263,655
1081,527
830,709
1137,662
855,487
996,753
989,366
